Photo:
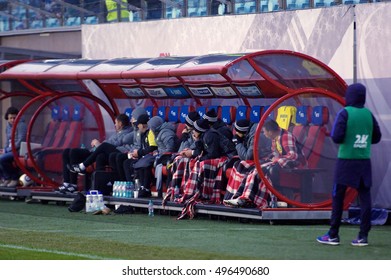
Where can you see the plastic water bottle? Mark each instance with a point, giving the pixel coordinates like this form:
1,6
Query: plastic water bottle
131,189
125,189
273,202
150,209
115,189
89,203
100,204
121,191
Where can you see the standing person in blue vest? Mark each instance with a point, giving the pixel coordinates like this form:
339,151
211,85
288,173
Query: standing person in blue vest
355,129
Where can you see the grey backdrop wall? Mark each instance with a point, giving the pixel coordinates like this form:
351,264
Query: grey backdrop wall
326,34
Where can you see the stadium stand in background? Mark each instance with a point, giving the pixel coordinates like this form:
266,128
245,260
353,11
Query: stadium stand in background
16,15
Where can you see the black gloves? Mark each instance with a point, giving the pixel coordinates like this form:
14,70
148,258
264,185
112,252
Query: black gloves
237,139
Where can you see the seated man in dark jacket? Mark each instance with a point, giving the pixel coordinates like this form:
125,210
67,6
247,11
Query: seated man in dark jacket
212,150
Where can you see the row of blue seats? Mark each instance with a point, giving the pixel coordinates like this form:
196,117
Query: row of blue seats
317,115
67,113
304,115
229,114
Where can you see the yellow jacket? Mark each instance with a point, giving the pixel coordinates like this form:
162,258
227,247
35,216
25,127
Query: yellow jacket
112,12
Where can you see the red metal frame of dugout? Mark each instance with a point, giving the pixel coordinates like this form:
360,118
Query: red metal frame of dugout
112,82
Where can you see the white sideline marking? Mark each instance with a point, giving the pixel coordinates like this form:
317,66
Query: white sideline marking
54,251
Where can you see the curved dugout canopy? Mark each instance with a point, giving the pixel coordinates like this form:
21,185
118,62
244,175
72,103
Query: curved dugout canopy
264,74
273,76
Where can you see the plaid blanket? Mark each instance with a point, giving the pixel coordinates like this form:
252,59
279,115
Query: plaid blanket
205,177
239,172
246,184
178,168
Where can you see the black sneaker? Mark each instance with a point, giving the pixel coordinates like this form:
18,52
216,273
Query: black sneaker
123,209
71,188
62,188
75,168
144,193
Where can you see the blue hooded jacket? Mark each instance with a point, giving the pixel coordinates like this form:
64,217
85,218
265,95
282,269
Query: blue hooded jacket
351,172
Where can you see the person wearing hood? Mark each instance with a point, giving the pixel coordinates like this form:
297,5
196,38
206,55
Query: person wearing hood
132,142
244,143
355,129
218,124
167,142
142,153
78,159
8,172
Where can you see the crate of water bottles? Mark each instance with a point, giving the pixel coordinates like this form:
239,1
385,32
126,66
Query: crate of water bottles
123,189
94,201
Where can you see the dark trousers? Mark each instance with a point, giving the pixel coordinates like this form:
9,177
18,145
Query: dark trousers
100,156
78,155
116,162
7,168
69,157
364,195
128,169
145,176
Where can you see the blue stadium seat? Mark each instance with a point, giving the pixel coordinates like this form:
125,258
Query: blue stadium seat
256,113
173,114
228,114
242,113
303,115
201,110
77,113
240,10
151,111
320,115
163,112
217,110
128,112
65,116
184,111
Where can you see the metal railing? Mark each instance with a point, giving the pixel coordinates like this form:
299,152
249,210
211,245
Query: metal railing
16,15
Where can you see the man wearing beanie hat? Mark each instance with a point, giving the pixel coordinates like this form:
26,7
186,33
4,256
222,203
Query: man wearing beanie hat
212,150
244,144
177,166
286,154
187,140
191,118
355,129
217,123
244,140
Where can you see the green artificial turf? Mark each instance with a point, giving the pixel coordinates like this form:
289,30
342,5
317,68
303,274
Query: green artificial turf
36,231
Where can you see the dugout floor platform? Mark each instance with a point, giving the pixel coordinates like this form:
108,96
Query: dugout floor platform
46,195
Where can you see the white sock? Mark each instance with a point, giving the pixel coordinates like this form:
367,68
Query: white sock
82,167
65,184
